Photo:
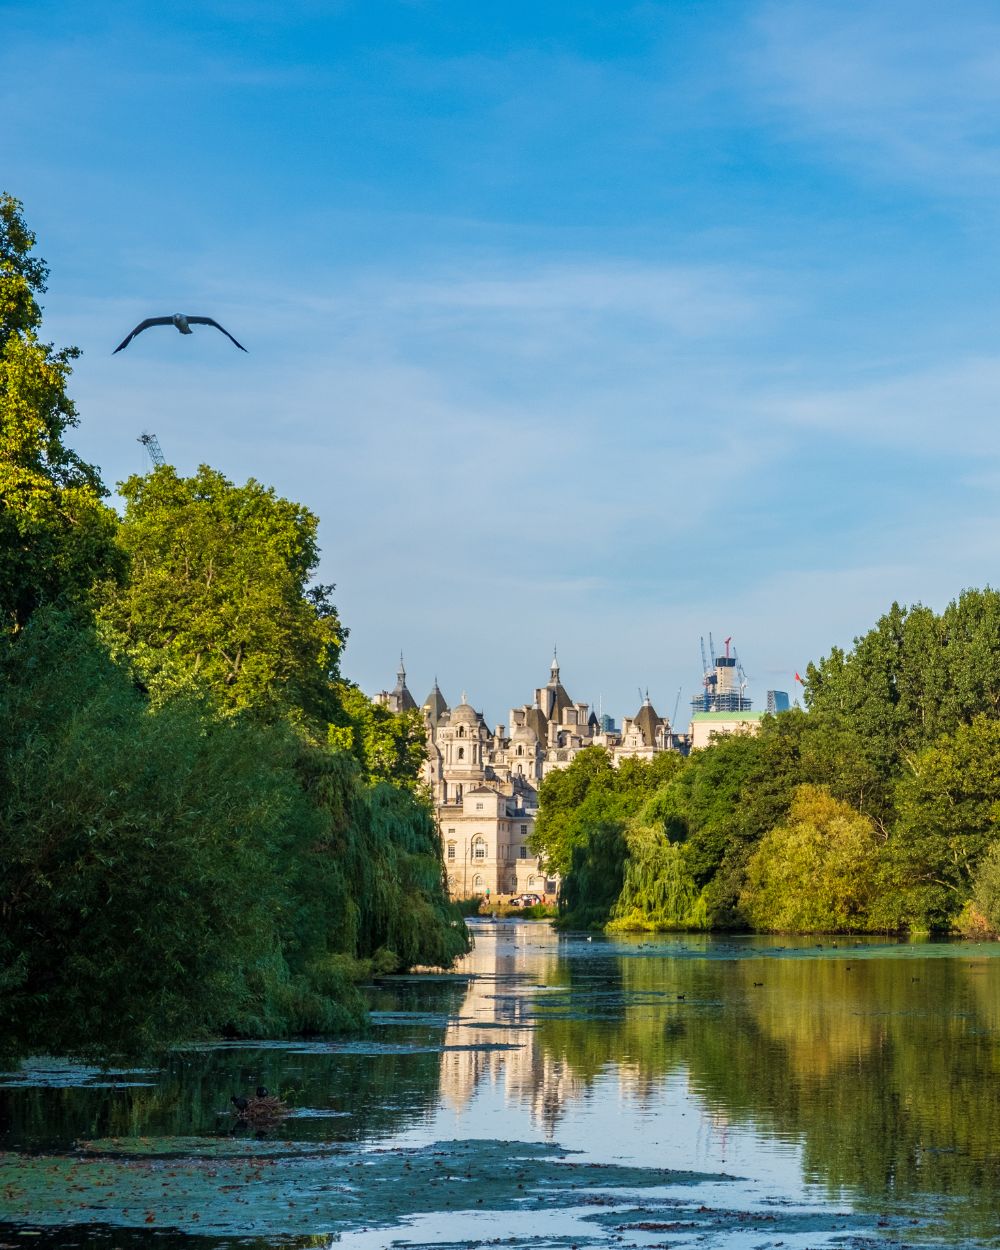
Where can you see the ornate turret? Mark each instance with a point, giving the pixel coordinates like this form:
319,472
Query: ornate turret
404,701
556,700
435,706
647,722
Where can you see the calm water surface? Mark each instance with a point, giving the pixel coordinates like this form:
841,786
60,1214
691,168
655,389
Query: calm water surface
558,1091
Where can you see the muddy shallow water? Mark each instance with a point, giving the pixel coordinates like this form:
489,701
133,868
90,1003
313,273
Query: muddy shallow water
556,1091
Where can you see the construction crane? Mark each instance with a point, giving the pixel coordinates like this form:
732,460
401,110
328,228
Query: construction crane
707,677
742,678
677,703
152,445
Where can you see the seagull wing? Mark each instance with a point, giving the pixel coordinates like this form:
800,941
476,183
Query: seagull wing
143,325
207,321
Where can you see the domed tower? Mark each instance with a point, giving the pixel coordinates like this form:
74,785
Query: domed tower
461,740
526,755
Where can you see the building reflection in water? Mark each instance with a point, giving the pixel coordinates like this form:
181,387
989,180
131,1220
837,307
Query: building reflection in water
513,966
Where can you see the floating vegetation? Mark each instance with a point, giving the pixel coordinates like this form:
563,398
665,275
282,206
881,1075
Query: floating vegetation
232,1187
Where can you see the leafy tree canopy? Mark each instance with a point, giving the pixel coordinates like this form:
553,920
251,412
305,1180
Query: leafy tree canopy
56,537
915,676
949,814
218,596
814,872
390,746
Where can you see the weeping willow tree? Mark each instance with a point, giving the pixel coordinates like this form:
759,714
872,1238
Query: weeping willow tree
658,888
383,845
594,880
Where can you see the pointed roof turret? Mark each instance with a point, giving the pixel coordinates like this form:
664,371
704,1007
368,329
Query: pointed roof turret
534,719
647,722
405,702
558,699
435,705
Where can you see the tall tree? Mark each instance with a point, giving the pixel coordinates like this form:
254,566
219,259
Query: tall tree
56,536
219,595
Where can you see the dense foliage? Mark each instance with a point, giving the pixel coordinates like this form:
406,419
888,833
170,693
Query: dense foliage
203,828
876,810
218,594
56,536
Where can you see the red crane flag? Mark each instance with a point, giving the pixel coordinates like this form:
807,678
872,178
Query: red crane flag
799,680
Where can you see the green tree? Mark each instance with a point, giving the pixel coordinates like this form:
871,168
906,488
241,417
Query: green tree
986,889
561,823
949,814
151,881
814,873
56,536
658,888
219,596
913,677
389,746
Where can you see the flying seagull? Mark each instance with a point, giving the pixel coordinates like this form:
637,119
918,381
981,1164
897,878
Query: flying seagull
182,322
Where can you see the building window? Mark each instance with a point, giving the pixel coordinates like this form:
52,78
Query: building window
451,850
524,831
477,884
461,753
479,807
479,848
524,852
520,771
520,750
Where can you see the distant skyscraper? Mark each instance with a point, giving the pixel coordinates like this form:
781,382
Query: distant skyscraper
608,725
777,701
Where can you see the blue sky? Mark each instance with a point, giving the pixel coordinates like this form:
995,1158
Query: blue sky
598,324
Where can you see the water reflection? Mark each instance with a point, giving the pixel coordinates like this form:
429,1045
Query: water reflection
878,1061
868,1070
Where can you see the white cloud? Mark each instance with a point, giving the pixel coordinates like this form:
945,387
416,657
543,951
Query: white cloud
951,408
906,87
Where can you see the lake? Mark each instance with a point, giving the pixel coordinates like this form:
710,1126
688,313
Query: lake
556,1090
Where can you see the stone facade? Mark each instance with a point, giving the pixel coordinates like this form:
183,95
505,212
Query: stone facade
485,782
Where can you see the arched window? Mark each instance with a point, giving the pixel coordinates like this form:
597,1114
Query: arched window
520,750
461,731
520,770
477,884
461,753
479,848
